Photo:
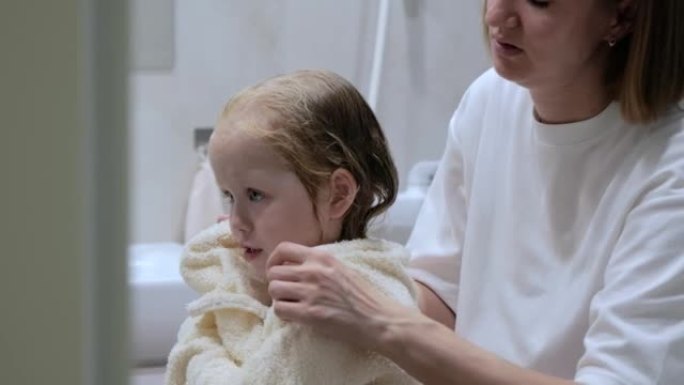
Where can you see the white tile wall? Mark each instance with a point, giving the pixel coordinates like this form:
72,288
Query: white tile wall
434,50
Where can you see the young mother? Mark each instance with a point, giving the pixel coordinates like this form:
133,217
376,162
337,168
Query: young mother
551,243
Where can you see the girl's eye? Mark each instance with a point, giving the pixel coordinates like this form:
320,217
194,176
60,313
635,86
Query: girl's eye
539,3
254,195
228,196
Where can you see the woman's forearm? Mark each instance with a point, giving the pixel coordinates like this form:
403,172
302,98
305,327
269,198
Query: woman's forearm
433,306
435,355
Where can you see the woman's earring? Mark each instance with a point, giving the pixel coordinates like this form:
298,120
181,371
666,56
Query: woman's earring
612,42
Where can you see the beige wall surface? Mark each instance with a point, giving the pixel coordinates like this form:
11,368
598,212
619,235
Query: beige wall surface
43,215
54,92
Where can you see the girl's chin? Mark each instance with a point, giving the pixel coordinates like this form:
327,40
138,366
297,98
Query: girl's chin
257,276
259,290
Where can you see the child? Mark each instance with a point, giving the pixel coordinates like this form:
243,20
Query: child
300,158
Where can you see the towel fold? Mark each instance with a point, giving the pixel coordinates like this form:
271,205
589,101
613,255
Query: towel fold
232,338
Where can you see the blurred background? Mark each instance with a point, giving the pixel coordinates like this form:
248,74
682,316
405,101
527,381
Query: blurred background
106,107
189,57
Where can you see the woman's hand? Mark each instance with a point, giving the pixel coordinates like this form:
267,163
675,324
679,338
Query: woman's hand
311,287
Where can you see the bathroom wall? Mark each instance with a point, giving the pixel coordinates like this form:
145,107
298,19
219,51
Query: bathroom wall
434,50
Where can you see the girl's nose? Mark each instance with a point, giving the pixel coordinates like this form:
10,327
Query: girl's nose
500,14
239,221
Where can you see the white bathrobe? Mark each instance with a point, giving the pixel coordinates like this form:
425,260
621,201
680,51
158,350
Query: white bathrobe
232,338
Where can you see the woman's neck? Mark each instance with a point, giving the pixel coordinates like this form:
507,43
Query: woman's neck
558,109
574,100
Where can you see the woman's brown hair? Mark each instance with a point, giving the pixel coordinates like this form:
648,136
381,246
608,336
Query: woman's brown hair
650,60
646,67
319,122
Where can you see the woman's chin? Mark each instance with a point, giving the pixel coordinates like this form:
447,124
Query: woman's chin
506,71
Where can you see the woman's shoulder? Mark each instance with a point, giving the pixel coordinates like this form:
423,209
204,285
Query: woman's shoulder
488,94
489,98
665,141
657,161
490,87
489,79
666,134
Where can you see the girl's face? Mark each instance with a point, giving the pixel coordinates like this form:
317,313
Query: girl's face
548,42
268,203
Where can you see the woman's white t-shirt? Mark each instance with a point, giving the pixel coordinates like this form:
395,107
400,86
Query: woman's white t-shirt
560,247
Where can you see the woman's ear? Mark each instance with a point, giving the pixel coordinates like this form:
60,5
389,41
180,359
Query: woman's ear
623,22
343,189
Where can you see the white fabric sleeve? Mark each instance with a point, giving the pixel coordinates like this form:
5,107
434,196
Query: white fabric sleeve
636,333
436,241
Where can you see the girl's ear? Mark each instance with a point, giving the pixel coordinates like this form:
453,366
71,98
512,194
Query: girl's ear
343,189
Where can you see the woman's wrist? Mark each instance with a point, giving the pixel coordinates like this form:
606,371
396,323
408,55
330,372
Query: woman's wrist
398,326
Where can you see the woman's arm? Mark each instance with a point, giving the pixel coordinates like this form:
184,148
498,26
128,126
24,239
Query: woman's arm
434,354
433,306
311,287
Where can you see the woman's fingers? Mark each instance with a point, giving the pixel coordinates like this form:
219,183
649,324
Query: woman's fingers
288,291
287,253
308,314
291,293
284,273
289,311
301,283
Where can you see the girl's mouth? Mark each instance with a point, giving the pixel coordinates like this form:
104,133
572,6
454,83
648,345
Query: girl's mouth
251,253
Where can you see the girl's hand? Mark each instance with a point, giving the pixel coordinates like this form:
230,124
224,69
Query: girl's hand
311,287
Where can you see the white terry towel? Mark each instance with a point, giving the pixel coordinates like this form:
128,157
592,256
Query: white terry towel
232,338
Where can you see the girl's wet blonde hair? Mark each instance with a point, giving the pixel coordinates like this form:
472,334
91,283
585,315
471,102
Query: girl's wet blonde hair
318,122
